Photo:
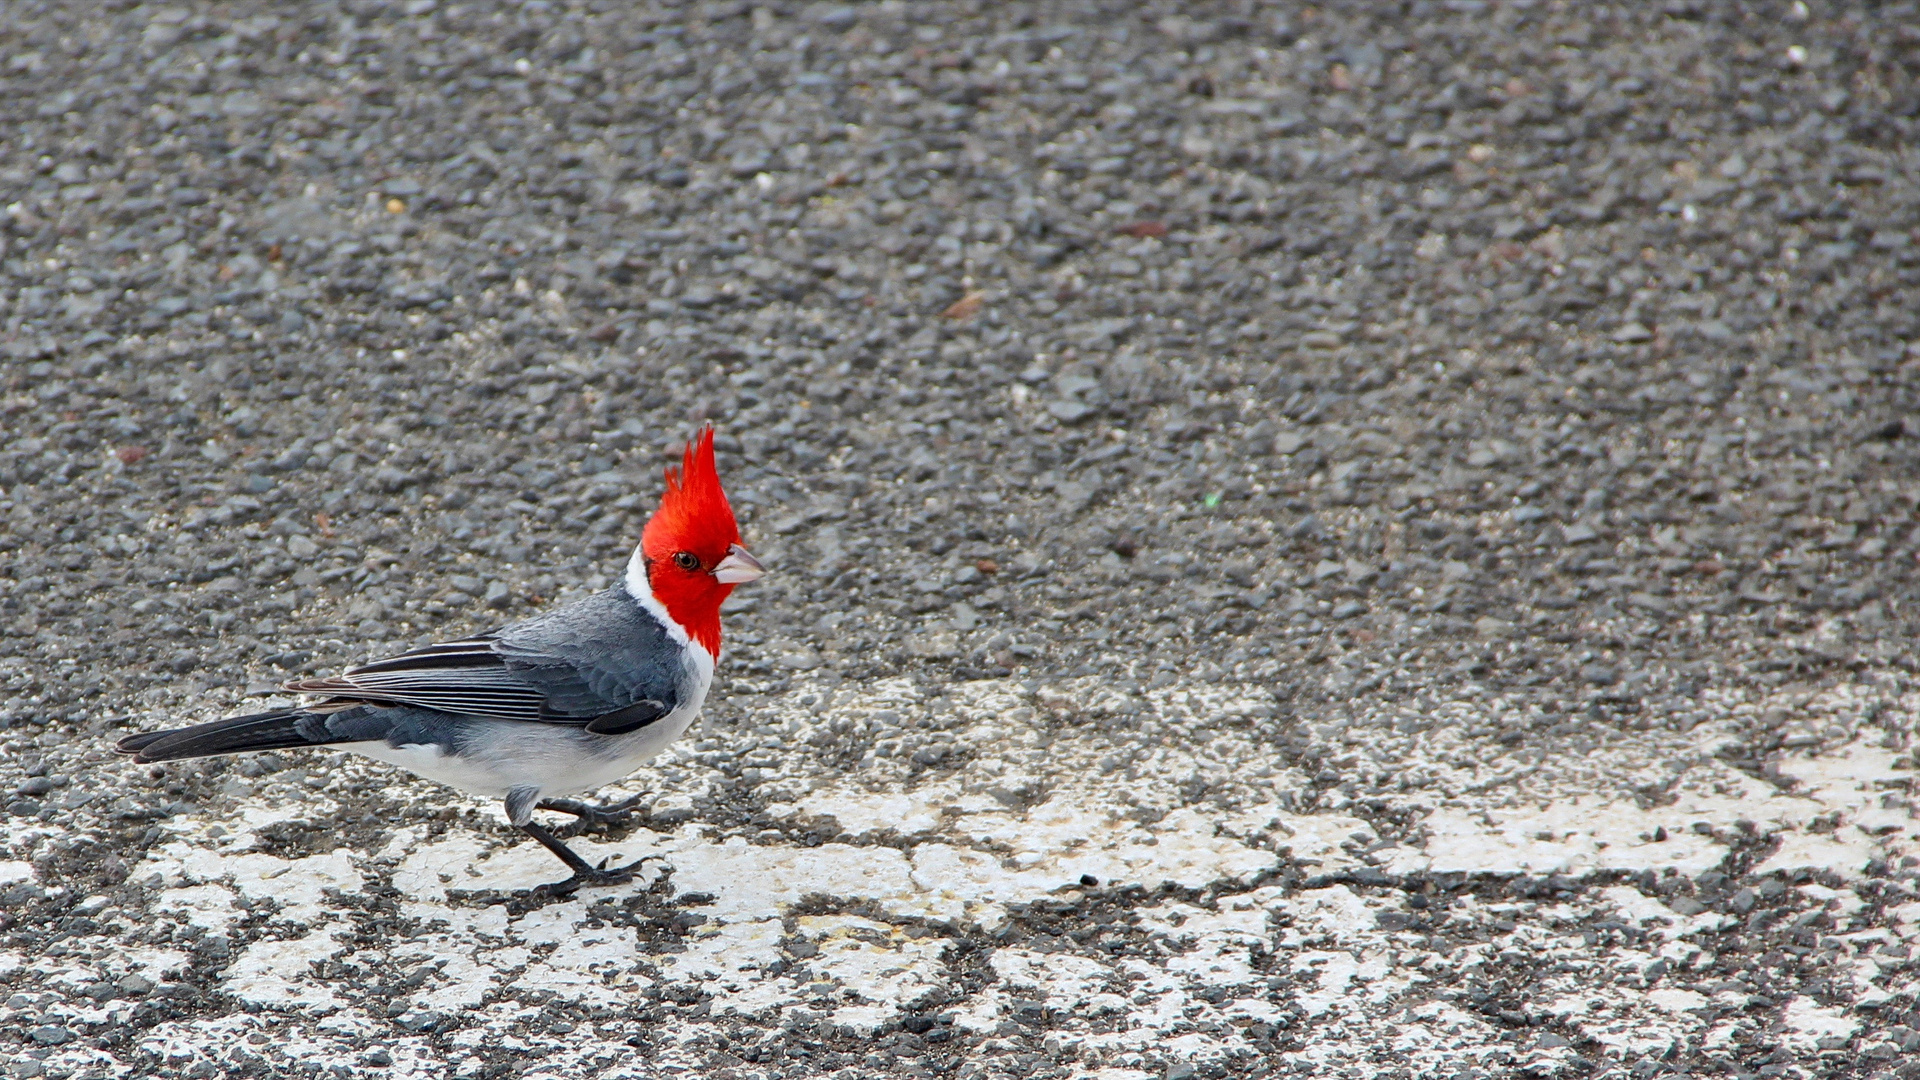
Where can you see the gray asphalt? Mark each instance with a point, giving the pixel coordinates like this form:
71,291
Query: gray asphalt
1377,357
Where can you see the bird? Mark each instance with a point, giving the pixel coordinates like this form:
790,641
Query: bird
542,709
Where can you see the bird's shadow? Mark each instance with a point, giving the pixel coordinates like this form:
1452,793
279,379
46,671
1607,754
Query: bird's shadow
654,891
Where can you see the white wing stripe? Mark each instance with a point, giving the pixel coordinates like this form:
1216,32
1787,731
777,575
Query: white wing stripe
480,679
431,652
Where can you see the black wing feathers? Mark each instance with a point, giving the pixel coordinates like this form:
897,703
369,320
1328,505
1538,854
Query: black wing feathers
632,718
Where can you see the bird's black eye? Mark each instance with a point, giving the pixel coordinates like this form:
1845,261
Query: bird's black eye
686,560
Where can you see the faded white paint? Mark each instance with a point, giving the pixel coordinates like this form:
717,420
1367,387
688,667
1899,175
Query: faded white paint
1038,810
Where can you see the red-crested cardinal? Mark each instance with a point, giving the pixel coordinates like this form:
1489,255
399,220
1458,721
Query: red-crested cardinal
549,707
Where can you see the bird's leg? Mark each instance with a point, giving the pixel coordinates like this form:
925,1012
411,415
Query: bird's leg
584,872
552,843
590,815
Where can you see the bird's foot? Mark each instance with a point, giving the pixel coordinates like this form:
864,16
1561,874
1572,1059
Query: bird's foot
598,876
590,816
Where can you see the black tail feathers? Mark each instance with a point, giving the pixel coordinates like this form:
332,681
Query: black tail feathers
279,729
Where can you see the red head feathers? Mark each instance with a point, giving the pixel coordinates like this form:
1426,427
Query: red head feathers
691,546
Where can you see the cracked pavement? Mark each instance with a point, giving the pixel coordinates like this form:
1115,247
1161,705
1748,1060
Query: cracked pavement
1344,541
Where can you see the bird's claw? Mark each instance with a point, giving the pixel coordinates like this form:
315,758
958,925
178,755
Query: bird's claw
588,816
615,813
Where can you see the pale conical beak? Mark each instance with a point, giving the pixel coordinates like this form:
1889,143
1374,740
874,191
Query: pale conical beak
738,568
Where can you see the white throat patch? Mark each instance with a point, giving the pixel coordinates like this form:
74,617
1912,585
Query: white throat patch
642,593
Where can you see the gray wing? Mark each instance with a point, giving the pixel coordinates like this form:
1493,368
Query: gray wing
602,663
604,650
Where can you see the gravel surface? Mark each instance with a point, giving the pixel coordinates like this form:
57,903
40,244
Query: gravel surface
1373,540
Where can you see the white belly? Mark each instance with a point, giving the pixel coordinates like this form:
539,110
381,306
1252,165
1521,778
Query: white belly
557,760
